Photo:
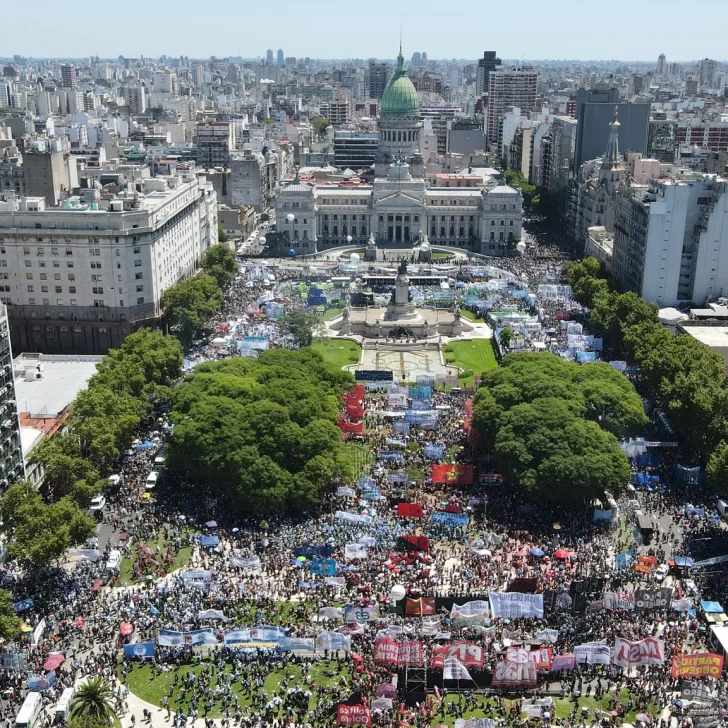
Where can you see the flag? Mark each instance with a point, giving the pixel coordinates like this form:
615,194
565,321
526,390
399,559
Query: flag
453,474
455,670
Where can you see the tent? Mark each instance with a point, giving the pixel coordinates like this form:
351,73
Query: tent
209,541
711,607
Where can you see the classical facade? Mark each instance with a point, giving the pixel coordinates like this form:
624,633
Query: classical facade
400,210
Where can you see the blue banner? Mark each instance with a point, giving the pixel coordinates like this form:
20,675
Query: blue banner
38,683
309,551
420,404
365,482
400,427
624,560
372,494
397,476
140,649
450,519
420,392
435,452
425,380
390,457
324,567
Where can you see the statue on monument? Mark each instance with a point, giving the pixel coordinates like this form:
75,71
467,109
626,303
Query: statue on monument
402,269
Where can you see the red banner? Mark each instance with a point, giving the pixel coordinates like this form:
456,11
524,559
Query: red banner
420,607
352,427
355,411
353,715
360,391
389,652
542,658
453,474
410,510
645,564
467,653
701,664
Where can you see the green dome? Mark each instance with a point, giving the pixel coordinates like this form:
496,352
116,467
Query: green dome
400,96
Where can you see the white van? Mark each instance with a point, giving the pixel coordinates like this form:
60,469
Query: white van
159,462
152,480
722,506
113,562
63,706
114,480
30,711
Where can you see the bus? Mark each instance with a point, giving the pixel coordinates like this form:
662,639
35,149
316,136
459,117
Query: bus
30,711
63,706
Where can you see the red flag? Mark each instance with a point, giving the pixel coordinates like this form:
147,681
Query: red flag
453,474
420,607
410,510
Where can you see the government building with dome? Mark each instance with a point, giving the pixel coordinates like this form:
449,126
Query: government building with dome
475,212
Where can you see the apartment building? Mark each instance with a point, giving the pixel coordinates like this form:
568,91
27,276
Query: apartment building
79,277
511,86
215,141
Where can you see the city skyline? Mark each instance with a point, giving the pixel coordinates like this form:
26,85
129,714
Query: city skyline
575,31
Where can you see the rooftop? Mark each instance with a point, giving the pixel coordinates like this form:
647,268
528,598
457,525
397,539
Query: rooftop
63,377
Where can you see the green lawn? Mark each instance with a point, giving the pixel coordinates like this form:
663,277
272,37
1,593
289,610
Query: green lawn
470,316
442,256
338,352
476,355
332,313
147,685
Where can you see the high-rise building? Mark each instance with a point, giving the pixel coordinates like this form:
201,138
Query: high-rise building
355,149
269,55
424,59
670,239
661,65
708,72
112,258
486,65
280,57
49,170
594,113
12,468
68,75
691,86
511,86
416,59
378,77
215,141
136,97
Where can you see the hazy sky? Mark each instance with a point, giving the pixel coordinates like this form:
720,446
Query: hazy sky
559,29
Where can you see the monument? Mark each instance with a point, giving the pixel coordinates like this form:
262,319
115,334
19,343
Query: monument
401,318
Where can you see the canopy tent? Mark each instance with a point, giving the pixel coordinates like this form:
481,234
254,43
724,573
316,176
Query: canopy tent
711,607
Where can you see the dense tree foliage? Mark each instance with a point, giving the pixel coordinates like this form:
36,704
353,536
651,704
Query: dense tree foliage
190,303
545,418
682,376
40,533
262,430
9,622
717,468
219,262
303,325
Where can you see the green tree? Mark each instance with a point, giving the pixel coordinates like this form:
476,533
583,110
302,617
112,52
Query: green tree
219,262
222,236
717,468
320,124
189,304
303,325
63,463
506,337
9,622
95,699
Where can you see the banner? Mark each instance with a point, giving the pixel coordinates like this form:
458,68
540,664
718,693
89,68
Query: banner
700,664
513,605
38,632
397,476
519,655
511,674
593,653
475,723
649,651
431,627
331,612
444,518
534,707
624,560
361,615
301,644
382,704
420,607
355,551
541,658
140,649
420,392
453,474
618,600
681,605
653,598
333,641
389,652
563,662
353,715
311,551
645,564
199,575
467,653
171,638
698,691
335,581
324,567
248,564
39,683
88,554
344,492
455,670
211,614
14,661
352,518
471,612
549,636
390,456
397,400
410,510
434,452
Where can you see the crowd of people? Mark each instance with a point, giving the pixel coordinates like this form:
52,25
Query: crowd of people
198,571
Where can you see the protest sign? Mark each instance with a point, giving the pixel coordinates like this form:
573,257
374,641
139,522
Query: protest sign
361,614
593,653
653,598
453,474
622,601
467,653
355,551
514,605
649,651
700,664
353,715
470,612
512,674
144,650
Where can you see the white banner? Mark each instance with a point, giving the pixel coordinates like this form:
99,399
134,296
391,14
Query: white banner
533,708
431,627
353,517
681,605
360,615
455,670
210,614
549,636
618,600
475,723
246,564
344,492
355,551
477,608
333,641
335,581
382,704
593,653
331,612
38,632
170,638
649,651
512,605
397,400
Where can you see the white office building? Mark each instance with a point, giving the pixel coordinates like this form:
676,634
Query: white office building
79,277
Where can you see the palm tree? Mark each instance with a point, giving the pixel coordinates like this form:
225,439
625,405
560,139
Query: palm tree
94,699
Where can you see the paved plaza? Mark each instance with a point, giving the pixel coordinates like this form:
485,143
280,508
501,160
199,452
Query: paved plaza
406,365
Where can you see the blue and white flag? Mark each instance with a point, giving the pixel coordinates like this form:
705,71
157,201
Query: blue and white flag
355,551
145,650
171,638
324,567
333,641
360,615
353,517
450,519
434,452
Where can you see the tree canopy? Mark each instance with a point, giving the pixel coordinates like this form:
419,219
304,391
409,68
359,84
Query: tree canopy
9,622
219,262
190,303
546,418
262,430
303,325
